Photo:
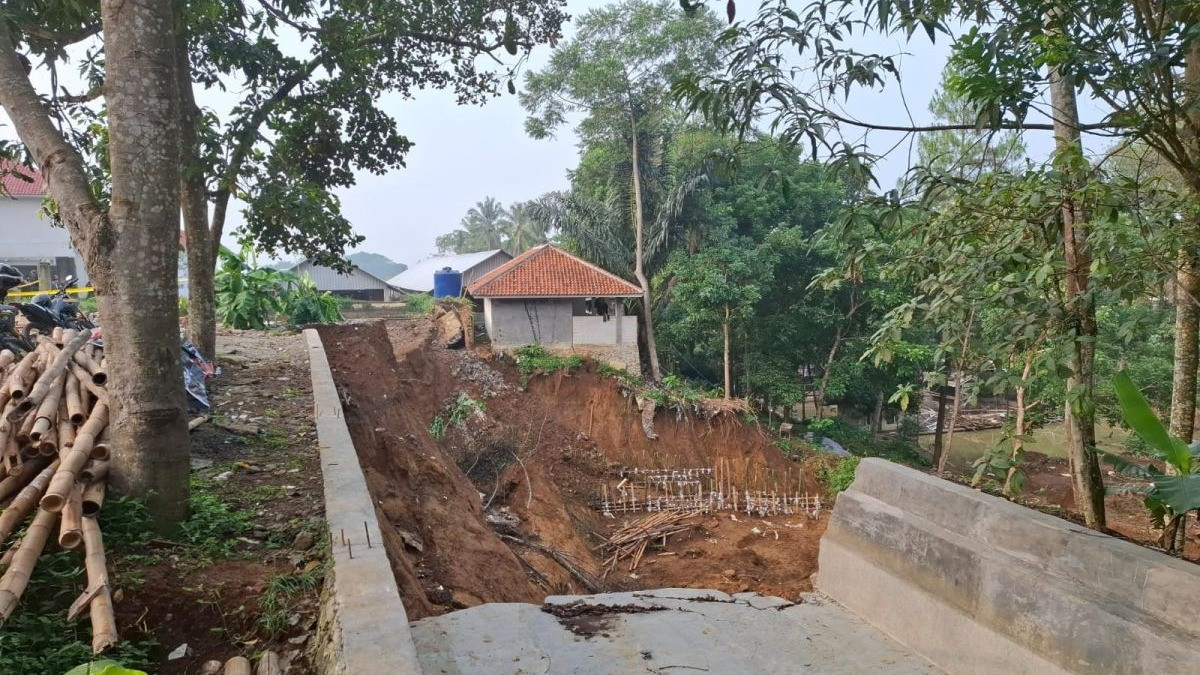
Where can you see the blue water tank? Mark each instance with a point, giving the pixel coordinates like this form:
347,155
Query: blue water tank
447,283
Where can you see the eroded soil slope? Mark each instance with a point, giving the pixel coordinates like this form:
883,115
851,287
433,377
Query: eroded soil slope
502,505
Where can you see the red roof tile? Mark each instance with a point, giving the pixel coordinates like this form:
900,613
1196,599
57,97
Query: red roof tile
548,272
21,181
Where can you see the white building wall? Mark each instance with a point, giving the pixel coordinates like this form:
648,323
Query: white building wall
27,238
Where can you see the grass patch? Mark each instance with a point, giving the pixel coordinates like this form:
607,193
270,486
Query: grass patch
419,304
38,638
857,440
282,591
534,360
215,524
838,477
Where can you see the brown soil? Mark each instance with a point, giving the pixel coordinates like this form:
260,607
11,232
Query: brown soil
540,460
212,603
1048,487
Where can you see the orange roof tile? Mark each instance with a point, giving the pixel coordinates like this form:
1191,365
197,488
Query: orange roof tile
548,272
21,181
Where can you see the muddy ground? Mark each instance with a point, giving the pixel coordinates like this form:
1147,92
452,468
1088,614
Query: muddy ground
538,458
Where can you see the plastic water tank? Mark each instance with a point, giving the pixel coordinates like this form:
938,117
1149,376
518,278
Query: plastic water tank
447,283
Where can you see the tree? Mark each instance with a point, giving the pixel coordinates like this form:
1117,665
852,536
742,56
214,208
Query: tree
129,241
718,287
526,229
616,71
313,74
483,229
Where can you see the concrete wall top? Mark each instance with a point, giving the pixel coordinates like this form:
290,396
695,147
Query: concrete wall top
979,584
367,629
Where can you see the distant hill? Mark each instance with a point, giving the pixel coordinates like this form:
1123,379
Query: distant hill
380,265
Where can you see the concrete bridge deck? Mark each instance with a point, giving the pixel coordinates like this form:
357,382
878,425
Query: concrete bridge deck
675,630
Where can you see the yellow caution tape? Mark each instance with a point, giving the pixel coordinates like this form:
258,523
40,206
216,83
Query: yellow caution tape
30,294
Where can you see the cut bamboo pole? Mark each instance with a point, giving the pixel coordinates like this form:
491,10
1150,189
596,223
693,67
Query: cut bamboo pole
25,501
102,449
70,534
47,445
72,400
66,432
93,499
12,484
98,375
74,459
94,471
238,665
268,664
85,380
104,622
16,380
6,358
57,335
49,377
46,416
24,428
16,578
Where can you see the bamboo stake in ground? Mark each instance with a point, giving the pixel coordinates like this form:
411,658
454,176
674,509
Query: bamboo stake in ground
74,459
25,501
14,581
104,622
70,528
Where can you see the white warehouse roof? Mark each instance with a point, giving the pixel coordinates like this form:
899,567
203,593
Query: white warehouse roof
419,277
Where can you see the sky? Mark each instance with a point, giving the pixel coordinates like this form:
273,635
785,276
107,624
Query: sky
462,154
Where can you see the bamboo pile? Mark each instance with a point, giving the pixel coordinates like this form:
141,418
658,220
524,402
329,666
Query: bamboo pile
53,467
631,540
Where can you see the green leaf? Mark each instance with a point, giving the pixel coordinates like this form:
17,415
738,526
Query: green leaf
1181,493
1145,423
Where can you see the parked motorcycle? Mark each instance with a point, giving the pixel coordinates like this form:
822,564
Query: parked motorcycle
48,312
10,339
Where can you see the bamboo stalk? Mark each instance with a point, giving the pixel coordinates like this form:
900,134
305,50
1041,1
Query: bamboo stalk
16,380
47,445
10,485
93,499
66,432
86,384
99,375
94,471
72,400
238,665
57,335
16,578
74,459
24,429
25,501
70,527
6,358
46,416
50,376
104,622
102,449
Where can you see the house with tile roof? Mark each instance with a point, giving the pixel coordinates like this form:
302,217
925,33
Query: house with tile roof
28,236
549,297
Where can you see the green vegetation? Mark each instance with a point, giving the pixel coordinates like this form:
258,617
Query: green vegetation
839,476
456,413
418,303
249,296
282,591
215,524
535,360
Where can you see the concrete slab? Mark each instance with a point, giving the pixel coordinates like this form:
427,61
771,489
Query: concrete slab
667,632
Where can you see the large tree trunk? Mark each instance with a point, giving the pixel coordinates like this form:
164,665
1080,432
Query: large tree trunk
201,256
130,252
1087,482
1187,321
725,331
639,256
136,288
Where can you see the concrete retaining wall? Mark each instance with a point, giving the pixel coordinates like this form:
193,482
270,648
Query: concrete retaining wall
980,585
363,627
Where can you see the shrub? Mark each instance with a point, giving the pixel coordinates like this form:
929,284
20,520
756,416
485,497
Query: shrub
183,306
839,476
535,359
418,303
304,303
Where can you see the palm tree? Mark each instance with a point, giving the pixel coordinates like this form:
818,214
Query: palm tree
527,230
483,228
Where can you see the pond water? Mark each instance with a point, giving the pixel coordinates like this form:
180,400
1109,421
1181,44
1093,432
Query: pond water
1049,440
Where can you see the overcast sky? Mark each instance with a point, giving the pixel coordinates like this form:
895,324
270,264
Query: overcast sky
462,154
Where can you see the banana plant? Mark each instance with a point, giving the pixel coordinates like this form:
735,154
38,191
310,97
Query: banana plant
1172,491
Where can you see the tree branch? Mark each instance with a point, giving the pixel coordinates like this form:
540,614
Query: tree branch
960,127
59,163
61,39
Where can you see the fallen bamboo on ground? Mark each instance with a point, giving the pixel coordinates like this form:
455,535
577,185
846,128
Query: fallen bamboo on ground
74,459
238,665
16,578
104,622
630,541
93,499
70,527
13,483
25,501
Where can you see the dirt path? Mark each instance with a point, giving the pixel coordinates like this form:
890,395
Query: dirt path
257,477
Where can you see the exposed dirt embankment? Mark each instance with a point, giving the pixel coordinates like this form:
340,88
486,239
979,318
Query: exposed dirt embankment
501,506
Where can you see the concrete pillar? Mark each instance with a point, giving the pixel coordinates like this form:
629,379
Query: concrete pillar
44,275
618,315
